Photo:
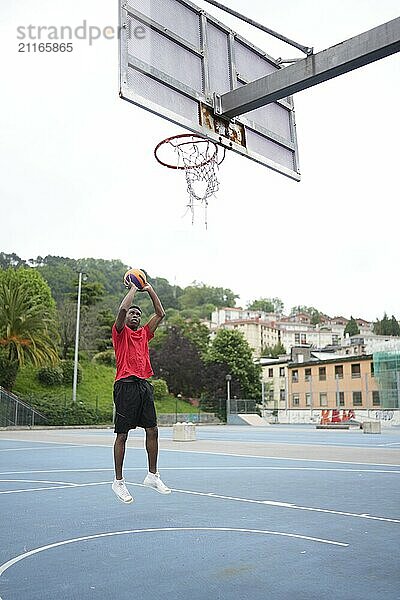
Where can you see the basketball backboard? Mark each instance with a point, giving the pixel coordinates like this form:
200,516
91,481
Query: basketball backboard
174,57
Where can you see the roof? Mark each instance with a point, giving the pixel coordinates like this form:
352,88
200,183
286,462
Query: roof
340,358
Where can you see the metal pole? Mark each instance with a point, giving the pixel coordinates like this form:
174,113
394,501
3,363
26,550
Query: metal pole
281,37
353,53
263,397
78,313
228,397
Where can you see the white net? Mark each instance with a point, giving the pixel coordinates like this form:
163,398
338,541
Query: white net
198,157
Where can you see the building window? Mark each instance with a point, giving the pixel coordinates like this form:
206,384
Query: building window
297,338
338,371
340,397
335,340
282,395
357,399
295,376
323,399
375,398
303,338
322,373
271,395
372,370
270,372
295,400
308,399
281,371
355,371
307,374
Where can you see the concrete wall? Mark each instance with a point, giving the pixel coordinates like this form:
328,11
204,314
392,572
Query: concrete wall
387,417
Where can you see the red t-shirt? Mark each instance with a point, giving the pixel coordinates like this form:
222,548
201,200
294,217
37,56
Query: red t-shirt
132,352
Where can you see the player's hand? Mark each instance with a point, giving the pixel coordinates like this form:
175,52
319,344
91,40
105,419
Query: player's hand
129,284
146,288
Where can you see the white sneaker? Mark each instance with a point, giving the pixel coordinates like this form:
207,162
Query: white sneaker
121,491
153,480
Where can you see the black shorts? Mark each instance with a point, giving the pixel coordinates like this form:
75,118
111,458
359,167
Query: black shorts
134,404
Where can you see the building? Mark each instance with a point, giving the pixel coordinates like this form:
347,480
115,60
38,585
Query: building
223,315
258,333
275,378
342,382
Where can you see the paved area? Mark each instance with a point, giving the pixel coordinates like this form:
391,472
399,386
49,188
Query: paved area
276,512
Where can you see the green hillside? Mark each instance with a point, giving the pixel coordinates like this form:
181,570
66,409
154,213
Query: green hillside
94,396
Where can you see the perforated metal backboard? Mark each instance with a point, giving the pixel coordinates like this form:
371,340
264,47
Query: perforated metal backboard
174,57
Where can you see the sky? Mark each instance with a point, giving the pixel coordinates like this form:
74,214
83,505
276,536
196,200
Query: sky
79,179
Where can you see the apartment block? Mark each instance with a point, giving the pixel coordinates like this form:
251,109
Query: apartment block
339,382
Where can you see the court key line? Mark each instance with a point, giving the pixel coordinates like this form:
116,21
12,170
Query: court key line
20,557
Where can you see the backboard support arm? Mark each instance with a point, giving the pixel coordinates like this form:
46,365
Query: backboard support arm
275,34
351,54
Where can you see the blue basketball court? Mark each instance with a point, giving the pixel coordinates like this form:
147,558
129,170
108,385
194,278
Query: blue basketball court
272,512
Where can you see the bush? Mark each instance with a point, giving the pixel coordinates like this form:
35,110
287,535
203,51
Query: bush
105,358
50,376
8,371
160,389
73,413
67,367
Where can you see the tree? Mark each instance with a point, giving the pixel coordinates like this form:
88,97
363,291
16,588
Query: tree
352,328
105,321
193,330
314,313
274,305
11,260
198,293
178,362
28,328
387,326
274,351
395,326
230,347
67,327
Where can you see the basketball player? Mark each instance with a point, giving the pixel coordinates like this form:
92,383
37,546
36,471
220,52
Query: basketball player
133,394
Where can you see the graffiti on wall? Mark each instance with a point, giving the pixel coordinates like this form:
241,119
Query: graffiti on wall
334,415
384,415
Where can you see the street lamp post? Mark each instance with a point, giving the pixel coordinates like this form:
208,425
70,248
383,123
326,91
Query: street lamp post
228,397
179,396
78,314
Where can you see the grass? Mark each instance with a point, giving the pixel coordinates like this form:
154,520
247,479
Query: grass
95,389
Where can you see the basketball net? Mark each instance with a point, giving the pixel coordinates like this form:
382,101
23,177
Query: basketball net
198,158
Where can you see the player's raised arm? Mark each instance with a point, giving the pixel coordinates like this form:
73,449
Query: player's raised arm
158,308
124,307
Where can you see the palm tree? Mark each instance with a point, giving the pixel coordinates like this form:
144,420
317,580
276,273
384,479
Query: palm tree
28,330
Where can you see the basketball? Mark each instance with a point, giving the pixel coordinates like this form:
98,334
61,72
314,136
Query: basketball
135,276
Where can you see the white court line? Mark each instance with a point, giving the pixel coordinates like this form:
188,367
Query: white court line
210,468
284,505
38,481
36,448
391,444
218,496
17,559
55,487
343,462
